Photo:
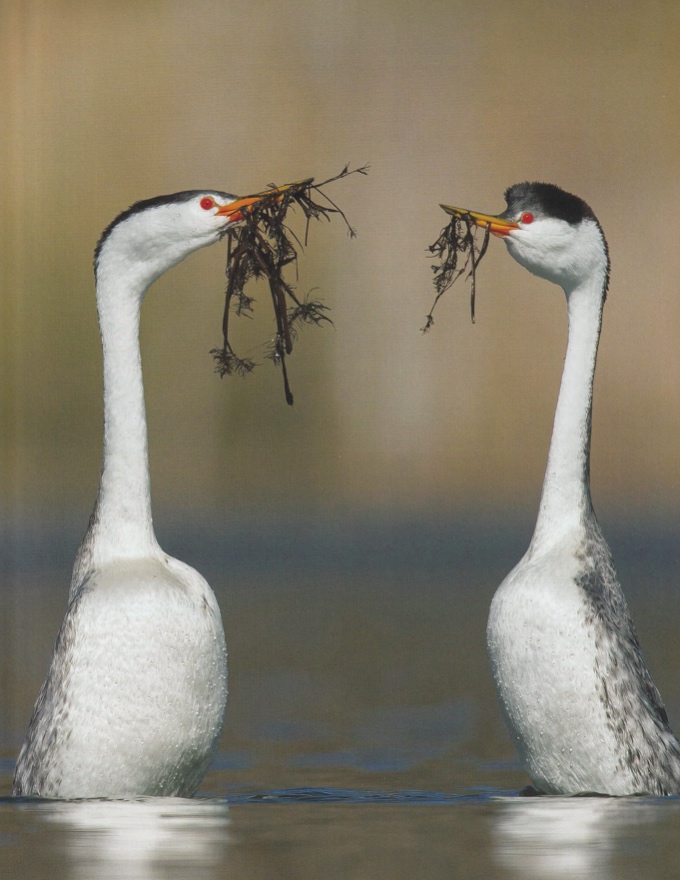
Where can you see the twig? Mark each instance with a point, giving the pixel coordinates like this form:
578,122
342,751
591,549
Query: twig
262,246
455,240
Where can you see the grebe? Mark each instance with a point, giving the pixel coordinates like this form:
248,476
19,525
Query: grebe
133,703
577,696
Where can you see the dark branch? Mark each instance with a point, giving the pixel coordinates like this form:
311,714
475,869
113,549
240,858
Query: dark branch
262,246
456,240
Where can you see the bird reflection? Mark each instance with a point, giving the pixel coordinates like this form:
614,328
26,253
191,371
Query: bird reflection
553,837
149,839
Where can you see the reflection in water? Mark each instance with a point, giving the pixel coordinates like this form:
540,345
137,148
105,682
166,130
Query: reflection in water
148,839
552,837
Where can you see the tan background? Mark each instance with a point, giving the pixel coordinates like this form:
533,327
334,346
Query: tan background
106,103
355,541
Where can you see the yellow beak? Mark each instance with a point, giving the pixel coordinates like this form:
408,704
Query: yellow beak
498,225
234,210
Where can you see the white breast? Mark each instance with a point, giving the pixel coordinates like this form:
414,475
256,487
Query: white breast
544,655
134,700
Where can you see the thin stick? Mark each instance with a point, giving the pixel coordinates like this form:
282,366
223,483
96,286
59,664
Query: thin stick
261,247
457,239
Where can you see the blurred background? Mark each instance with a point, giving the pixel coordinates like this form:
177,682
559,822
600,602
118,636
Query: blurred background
354,540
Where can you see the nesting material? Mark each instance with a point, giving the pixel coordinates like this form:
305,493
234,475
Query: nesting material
264,246
457,241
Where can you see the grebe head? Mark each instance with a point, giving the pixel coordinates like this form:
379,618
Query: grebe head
550,232
556,235
151,236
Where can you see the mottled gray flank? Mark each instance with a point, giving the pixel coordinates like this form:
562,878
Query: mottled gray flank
53,702
633,705
83,565
133,703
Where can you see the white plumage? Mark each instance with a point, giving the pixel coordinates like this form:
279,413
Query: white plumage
577,696
133,703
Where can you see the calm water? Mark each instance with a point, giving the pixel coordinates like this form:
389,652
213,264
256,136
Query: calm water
362,735
494,836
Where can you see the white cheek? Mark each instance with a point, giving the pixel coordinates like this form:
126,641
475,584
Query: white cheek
524,256
545,250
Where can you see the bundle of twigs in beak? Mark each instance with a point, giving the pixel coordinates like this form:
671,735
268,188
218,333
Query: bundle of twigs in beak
457,239
262,245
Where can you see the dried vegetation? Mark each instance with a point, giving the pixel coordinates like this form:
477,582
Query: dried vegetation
265,247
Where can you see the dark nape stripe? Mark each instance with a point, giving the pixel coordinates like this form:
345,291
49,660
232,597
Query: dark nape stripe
154,202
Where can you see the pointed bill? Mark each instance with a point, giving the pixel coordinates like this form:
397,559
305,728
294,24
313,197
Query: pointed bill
498,225
235,209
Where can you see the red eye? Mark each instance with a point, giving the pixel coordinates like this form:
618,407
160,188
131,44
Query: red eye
207,203
527,218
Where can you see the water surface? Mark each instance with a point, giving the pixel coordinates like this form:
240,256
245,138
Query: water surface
362,737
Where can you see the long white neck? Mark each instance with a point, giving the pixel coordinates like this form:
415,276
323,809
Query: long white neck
121,524
565,501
